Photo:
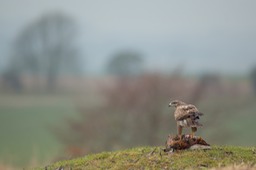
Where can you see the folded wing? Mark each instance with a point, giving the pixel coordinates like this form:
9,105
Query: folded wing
187,111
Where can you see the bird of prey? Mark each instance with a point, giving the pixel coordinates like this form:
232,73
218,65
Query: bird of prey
186,115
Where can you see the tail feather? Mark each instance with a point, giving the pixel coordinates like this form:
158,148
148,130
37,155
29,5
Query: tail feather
200,113
198,124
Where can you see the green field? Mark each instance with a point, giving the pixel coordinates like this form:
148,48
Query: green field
25,122
234,122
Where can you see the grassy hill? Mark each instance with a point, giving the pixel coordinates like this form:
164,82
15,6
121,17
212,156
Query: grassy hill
151,158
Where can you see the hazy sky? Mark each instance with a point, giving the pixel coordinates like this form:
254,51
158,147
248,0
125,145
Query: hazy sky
217,35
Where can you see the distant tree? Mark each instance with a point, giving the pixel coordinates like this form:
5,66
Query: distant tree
11,80
206,81
47,47
125,63
253,79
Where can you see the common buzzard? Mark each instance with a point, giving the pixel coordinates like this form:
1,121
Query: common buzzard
186,115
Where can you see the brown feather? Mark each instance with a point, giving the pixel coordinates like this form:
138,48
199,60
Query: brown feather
187,115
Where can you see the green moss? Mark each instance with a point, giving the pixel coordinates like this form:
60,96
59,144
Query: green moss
150,158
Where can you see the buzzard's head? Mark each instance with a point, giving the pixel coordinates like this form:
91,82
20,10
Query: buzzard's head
176,103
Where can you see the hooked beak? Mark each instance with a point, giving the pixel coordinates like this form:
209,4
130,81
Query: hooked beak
170,105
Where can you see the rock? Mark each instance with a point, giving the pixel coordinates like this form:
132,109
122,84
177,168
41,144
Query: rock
198,146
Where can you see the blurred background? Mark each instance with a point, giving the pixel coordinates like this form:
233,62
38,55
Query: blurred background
83,77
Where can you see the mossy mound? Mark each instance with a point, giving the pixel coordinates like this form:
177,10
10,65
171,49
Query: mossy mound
154,158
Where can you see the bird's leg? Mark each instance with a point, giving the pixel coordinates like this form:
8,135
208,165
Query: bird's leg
179,130
192,134
193,129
